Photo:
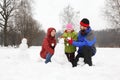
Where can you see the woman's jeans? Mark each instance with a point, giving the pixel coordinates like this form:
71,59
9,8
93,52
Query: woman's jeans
48,58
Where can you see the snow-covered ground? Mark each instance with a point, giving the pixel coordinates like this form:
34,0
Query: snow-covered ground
29,66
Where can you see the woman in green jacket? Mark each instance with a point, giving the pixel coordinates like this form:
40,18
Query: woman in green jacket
69,49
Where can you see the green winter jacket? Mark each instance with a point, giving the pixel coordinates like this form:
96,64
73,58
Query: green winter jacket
69,48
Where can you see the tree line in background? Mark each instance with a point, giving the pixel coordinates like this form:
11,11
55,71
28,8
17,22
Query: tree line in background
16,22
108,38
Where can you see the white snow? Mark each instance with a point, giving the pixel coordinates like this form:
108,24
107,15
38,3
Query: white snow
106,61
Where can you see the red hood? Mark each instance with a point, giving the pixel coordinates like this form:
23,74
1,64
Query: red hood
49,31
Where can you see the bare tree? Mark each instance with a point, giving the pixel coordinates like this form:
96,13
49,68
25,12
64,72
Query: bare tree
112,13
6,9
69,16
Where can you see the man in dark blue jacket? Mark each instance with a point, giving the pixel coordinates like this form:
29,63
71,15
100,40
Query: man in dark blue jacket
86,43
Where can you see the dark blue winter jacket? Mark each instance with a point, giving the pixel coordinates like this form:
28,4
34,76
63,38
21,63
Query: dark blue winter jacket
88,39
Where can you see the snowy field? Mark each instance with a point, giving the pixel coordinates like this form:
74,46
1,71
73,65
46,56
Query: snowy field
16,64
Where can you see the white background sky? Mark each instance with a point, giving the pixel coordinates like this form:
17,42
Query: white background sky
47,12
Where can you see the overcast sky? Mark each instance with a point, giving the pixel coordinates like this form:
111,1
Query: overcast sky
47,12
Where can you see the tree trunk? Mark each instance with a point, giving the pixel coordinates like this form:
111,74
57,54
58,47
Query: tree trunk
5,34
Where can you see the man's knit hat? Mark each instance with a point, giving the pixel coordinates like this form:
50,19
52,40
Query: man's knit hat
84,22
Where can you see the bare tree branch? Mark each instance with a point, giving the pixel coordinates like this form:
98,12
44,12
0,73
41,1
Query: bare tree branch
1,25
